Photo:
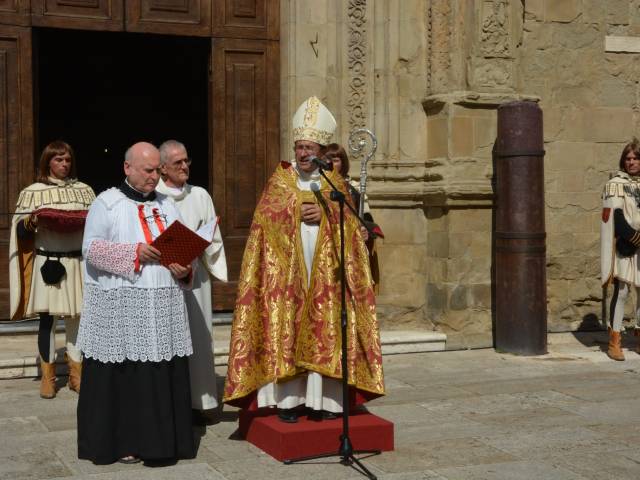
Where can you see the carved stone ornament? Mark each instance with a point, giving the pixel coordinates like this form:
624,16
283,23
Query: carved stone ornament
494,33
438,45
357,63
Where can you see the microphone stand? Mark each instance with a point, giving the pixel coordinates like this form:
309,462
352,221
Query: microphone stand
345,450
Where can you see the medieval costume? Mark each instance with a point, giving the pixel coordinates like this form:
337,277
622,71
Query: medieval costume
45,271
285,347
135,337
196,208
620,239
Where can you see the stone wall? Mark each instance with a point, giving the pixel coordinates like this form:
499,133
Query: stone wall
368,66
590,102
427,77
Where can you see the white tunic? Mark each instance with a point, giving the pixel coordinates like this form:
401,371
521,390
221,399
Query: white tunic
64,298
128,314
621,192
196,208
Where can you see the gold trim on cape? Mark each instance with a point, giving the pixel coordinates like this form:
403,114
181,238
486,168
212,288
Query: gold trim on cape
281,327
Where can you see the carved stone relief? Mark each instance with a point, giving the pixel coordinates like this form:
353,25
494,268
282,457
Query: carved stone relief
492,65
493,74
438,45
494,33
357,63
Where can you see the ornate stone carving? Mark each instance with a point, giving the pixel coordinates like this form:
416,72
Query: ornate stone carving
493,63
357,63
493,75
438,45
494,33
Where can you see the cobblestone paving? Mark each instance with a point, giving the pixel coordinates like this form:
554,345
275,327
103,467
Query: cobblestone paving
568,415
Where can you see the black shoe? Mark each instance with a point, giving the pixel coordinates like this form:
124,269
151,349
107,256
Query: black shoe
287,415
330,415
160,462
203,418
319,415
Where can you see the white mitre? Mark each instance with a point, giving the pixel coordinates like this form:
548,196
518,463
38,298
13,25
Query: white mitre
313,122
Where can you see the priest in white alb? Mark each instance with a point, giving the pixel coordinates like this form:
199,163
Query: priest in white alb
197,210
135,402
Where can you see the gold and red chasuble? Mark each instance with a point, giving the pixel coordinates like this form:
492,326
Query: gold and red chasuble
281,327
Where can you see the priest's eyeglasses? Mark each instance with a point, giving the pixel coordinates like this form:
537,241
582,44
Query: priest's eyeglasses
178,163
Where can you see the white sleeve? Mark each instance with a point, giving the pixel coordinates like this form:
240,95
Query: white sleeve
103,254
214,257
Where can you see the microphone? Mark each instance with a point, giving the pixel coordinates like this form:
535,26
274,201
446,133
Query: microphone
321,162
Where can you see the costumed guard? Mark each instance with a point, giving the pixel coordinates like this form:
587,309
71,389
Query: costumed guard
620,239
285,347
135,401
196,207
45,271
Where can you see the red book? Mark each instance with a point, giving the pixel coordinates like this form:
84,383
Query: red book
179,244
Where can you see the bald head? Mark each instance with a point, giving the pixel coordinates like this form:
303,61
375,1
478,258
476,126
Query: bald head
142,166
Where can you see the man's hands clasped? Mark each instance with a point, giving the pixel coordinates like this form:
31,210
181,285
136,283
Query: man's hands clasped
311,213
149,254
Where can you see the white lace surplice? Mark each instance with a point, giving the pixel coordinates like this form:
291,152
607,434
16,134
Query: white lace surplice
127,314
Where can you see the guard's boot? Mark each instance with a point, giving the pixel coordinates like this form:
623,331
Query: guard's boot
615,346
48,381
636,332
75,373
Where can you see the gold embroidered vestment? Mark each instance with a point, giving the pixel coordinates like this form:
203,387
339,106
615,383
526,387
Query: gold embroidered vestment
282,327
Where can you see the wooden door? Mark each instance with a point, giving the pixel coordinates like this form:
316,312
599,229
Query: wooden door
246,19
16,136
83,14
15,12
245,105
174,17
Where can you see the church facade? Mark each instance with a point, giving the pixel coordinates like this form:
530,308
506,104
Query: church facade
426,76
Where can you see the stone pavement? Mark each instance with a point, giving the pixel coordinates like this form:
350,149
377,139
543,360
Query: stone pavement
477,414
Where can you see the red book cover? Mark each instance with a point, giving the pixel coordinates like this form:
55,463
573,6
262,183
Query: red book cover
179,244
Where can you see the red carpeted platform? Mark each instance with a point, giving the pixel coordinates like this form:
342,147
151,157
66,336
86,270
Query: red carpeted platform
292,440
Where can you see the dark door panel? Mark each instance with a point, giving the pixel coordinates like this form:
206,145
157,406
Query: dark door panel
16,136
246,18
82,14
15,12
173,17
245,139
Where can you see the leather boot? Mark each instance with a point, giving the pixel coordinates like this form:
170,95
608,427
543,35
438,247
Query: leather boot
48,381
75,373
636,332
615,346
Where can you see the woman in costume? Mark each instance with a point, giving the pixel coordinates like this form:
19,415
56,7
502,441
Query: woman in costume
620,239
45,258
